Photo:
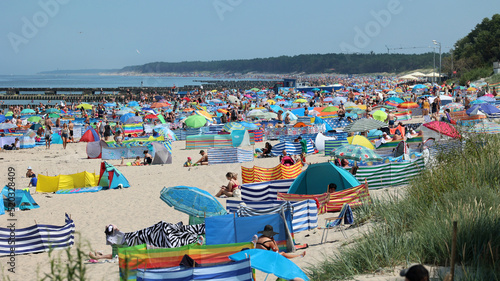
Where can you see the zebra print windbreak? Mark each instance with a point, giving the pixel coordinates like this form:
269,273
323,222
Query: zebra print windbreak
165,235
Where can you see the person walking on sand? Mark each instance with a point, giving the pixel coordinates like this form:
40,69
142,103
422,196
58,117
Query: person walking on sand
392,119
48,136
65,135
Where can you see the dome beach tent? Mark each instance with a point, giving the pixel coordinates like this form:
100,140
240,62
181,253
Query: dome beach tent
90,135
316,178
111,178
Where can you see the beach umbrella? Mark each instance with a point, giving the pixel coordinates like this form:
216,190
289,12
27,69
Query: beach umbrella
292,116
271,262
330,109
233,99
205,114
150,116
379,115
132,103
408,104
339,100
487,98
270,115
195,121
28,111
133,120
35,127
300,101
328,99
34,119
256,113
392,93
8,114
6,126
110,104
360,140
454,106
159,105
484,107
214,91
419,86
356,153
126,116
54,115
216,101
471,89
2,118
85,106
192,201
51,110
231,126
271,102
278,97
255,89
364,124
350,105
478,101
443,128
249,126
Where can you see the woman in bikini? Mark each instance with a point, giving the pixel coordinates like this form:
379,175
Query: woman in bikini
230,188
266,242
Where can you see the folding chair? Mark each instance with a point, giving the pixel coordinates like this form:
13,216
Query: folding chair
345,215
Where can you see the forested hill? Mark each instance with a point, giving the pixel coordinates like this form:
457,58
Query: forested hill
316,63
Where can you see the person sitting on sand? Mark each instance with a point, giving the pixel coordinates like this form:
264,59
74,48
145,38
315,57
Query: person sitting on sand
32,176
188,163
266,242
12,146
148,159
114,237
286,159
266,151
386,137
137,162
203,160
332,188
231,187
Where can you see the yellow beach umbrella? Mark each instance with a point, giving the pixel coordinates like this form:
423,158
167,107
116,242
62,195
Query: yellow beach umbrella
271,102
204,114
85,106
360,140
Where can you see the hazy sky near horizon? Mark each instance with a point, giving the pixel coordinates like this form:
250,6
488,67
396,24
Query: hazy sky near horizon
69,34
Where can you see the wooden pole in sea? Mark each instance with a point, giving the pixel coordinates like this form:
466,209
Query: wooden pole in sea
453,251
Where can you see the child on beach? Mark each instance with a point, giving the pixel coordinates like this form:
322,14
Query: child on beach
188,163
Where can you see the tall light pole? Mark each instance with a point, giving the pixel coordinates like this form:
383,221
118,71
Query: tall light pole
439,44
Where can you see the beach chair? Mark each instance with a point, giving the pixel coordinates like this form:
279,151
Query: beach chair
345,216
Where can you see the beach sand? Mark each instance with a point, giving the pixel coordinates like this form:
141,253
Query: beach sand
136,207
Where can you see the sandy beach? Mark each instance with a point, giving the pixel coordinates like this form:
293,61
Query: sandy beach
133,208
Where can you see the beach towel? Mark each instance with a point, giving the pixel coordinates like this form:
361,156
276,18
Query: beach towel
79,190
165,235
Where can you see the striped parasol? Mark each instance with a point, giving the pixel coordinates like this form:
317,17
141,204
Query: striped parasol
408,104
364,124
231,126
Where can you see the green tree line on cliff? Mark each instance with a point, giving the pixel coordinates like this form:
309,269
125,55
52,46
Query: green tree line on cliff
473,55
313,63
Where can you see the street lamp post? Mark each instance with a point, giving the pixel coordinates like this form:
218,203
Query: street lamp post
439,44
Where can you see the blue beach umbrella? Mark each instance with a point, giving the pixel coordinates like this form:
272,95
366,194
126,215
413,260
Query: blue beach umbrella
132,103
2,118
271,262
339,100
126,116
192,201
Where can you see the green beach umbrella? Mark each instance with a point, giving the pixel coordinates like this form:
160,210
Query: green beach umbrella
10,113
300,101
379,115
34,119
53,115
356,153
330,109
254,89
195,121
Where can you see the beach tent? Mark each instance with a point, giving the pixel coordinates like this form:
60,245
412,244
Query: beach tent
22,200
90,135
316,178
240,138
162,154
55,183
111,178
56,139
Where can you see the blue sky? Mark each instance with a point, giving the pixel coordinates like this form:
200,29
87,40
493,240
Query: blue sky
69,34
